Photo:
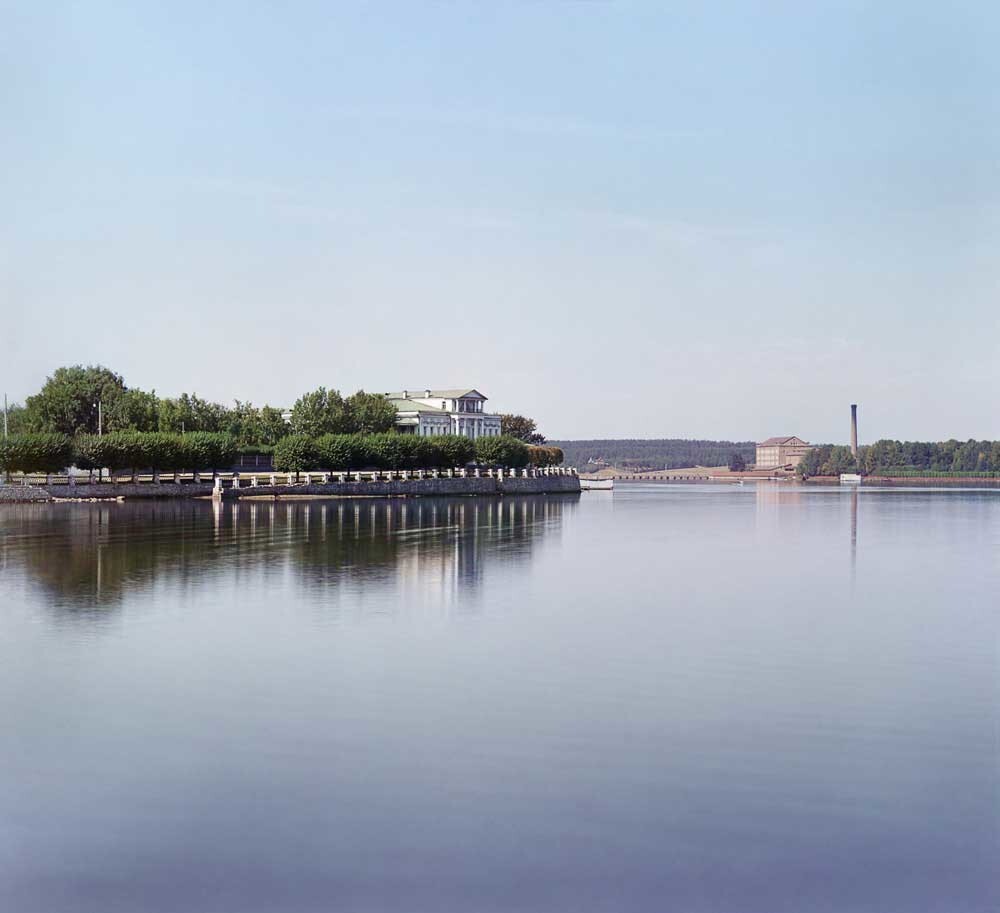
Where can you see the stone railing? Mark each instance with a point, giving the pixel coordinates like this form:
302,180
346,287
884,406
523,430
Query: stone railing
225,480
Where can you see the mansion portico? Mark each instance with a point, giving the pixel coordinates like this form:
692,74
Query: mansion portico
430,412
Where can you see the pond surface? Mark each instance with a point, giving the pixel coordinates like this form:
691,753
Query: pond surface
666,698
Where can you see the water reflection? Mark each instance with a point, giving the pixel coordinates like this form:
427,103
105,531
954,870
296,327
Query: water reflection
88,557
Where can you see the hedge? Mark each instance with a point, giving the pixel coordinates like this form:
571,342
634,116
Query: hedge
545,456
36,453
503,451
295,453
154,450
298,453
202,451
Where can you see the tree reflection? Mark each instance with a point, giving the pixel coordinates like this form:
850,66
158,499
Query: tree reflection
87,557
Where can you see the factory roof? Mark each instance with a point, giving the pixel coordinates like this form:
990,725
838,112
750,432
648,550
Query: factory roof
781,441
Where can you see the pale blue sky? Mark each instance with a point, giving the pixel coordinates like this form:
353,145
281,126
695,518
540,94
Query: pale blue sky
626,219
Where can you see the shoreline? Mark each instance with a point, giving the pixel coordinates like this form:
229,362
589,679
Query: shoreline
485,486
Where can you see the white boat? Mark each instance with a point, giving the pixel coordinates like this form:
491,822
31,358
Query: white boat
597,484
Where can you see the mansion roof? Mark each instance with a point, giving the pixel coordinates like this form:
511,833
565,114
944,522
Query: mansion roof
425,393
409,405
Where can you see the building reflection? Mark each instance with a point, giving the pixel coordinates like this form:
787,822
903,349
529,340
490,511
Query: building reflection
779,516
88,557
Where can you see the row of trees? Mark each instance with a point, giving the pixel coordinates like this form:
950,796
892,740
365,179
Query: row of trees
827,460
117,450
202,450
299,452
886,456
83,400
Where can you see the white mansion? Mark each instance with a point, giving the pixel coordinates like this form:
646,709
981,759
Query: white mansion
430,412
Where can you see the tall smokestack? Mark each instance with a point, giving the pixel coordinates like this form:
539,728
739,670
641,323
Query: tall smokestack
854,429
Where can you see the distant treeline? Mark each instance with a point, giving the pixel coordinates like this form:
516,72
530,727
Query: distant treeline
887,457
665,453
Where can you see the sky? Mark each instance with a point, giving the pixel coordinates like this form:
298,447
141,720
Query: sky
624,219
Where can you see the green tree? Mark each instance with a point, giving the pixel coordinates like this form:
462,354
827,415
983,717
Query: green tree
68,400
972,456
243,422
736,462
840,460
369,413
883,455
995,456
812,463
273,426
133,410
17,422
189,412
320,412
520,427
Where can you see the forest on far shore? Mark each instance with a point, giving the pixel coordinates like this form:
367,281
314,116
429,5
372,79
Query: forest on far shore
653,453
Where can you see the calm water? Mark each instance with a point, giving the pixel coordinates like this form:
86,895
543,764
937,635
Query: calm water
672,698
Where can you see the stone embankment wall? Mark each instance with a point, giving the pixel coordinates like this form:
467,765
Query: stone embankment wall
23,494
444,486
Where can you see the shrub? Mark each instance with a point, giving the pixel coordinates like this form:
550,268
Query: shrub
502,451
36,453
209,450
295,453
389,451
87,452
454,450
544,455
341,451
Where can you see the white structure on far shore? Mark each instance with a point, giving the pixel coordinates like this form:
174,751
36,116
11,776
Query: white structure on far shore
429,412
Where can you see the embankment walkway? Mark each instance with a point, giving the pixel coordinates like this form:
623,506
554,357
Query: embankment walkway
234,485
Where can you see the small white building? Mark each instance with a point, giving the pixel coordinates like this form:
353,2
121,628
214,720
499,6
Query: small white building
430,412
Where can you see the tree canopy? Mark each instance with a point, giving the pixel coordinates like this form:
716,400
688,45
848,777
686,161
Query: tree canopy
68,400
520,427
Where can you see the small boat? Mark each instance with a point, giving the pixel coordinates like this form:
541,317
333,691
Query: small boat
597,484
